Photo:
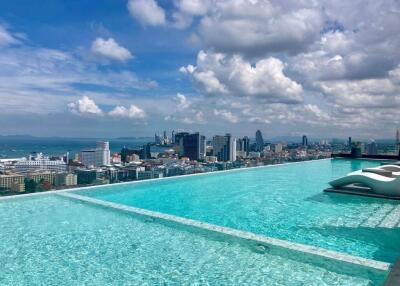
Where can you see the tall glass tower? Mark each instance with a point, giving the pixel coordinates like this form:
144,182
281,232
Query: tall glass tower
259,141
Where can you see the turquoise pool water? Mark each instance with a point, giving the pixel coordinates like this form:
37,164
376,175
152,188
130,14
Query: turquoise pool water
285,202
51,240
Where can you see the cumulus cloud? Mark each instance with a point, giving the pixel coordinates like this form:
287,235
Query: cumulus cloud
132,112
84,105
147,12
6,38
226,115
252,27
221,74
110,49
181,101
187,10
367,93
185,111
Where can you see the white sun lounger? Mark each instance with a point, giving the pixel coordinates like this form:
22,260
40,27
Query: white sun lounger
392,168
377,183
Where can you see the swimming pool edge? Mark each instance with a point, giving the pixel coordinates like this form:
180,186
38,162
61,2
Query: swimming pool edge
154,180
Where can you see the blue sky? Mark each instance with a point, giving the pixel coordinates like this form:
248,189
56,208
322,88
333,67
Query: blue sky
135,67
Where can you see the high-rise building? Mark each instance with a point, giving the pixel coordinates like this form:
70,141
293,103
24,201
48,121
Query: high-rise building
397,141
372,148
224,147
173,137
157,139
96,157
349,142
193,146
179,135
243,144
305,141
259,141
146,152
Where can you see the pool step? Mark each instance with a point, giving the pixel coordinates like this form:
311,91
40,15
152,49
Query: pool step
378,216
392,219
386,216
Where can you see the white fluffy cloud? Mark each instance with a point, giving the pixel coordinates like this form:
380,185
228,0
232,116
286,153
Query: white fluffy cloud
217,73
110,49
181,101
132,112
185,111
147,12
226,115
84,105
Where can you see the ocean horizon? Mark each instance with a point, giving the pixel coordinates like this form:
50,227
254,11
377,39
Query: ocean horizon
22,146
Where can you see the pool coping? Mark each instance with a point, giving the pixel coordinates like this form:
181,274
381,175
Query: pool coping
243,235
156,179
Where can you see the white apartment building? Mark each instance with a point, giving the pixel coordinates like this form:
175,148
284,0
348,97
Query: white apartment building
40,162
97,157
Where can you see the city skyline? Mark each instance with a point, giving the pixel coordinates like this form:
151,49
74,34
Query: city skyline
127,68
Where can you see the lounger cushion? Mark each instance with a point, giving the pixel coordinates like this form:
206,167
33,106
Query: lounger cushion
378,171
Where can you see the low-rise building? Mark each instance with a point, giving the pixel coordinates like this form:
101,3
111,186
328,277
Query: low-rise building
66,179
150,174
40,162
86,177
42,176
12,182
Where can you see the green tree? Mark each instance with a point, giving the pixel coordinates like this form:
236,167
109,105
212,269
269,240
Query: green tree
30,186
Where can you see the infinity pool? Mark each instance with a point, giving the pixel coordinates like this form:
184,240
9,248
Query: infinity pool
92,236
282,201
51,240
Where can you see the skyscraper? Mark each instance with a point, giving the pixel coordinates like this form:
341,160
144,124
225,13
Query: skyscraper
243,144
178,136
349,142
224,147
259,141
305,141
397,141
372,148
193,146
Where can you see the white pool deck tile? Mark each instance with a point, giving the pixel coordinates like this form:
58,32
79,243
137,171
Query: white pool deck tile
316,251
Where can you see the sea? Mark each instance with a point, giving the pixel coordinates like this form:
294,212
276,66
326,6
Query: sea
22,146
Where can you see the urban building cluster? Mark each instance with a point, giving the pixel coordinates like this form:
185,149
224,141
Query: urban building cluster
183,153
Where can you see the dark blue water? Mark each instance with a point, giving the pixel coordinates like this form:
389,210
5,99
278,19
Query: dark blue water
14,147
